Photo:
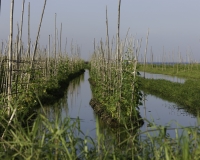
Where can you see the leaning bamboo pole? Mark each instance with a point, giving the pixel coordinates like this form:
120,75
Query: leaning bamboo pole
36,42
20,33
19,48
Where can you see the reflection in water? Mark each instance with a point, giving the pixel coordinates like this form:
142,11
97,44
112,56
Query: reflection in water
75,104
78,97
163,113
162,76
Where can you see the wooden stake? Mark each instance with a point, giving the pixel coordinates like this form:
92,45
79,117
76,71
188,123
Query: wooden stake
29,39
60,37
107,37
118,31
36,42
145,55
10,57
55,46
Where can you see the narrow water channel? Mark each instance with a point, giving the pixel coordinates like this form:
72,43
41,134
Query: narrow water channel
75,104
162,76
78,97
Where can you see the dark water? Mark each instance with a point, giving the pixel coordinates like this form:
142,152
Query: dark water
75,104
163,113
162,76
78,98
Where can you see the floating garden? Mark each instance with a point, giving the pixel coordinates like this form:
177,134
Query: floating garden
31,78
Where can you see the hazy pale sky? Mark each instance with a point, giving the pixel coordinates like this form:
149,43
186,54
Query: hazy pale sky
173,24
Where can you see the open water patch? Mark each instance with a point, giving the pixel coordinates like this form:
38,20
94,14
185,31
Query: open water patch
159,112
162,76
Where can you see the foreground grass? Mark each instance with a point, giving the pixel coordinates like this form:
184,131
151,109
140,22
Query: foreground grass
61,139
44,140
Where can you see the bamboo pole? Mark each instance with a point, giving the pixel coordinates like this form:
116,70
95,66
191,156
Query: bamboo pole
66,46
19,47
36,42
49,55
151,57
60,37
29,39
2,49
55,45
10,57
118,57
145,54
118,31
107,36
20,33
162,59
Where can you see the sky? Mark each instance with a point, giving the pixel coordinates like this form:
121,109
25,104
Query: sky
174,25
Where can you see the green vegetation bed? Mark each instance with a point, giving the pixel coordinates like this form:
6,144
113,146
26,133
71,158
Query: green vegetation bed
189,71
104,111
186,94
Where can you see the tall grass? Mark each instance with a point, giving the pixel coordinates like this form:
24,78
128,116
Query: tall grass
45,139
56,138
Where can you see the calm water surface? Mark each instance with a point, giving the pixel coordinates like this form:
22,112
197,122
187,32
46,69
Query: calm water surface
162,76
160,112
164,113
78,98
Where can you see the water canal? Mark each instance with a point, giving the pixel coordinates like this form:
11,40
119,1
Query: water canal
75,104
162,76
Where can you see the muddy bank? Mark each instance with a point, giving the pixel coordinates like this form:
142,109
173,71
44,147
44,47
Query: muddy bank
103,114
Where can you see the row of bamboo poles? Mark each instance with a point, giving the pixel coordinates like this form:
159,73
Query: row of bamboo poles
21,66
177,60
113,68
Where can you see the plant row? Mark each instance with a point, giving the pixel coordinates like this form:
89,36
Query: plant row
115,77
